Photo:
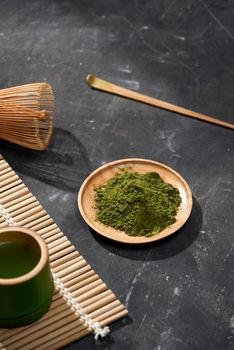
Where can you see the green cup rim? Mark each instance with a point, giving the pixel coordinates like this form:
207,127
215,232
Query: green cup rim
41,263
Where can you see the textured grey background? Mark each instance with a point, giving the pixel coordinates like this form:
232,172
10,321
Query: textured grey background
179,292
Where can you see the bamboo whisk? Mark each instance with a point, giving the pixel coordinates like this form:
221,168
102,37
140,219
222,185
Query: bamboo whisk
27,114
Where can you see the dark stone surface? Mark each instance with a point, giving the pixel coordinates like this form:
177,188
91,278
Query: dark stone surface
179,292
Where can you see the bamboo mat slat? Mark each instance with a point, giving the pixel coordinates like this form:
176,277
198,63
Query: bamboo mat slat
82,303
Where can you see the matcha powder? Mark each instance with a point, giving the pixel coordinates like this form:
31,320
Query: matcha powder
139,204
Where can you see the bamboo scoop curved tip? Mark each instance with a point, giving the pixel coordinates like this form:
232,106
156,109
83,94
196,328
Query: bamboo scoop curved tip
90,79
104,85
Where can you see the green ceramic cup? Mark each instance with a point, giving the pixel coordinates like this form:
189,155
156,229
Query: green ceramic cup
26,282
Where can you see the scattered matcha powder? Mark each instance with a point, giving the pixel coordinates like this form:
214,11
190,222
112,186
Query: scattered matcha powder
139,204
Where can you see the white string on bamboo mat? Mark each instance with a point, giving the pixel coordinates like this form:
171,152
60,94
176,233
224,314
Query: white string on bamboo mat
79,311
74,305
6,216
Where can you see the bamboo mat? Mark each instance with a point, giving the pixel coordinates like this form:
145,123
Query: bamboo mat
82,303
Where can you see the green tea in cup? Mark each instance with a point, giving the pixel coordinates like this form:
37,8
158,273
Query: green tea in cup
26,282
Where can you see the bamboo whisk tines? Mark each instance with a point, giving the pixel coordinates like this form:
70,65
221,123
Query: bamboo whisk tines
27,114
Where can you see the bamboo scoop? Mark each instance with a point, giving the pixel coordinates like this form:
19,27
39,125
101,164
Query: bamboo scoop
103,85
26,115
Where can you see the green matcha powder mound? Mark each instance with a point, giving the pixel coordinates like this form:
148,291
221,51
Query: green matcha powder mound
139,204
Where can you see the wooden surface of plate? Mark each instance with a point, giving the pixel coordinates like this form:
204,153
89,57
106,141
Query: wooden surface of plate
86,197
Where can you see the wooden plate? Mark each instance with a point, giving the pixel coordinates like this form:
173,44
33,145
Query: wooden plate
98,177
